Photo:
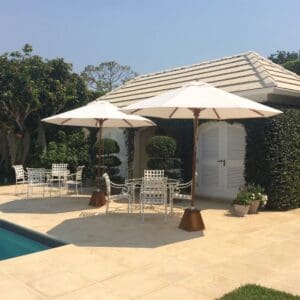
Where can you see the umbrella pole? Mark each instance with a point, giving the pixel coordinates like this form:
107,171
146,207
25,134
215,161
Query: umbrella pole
99,154
196,115
192,219
98,197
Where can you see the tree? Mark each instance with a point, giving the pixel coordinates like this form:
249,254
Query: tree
65,150
107,76
32,88
289,60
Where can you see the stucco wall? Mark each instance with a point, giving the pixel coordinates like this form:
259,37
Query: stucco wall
118,135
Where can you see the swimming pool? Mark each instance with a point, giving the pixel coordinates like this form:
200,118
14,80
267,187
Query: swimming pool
16,241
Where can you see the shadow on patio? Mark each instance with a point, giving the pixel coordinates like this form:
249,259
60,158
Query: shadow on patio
122,230
47,205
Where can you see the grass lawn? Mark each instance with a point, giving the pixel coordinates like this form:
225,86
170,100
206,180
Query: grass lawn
253,292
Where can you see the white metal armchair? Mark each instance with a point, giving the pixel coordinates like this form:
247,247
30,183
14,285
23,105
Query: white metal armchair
21,176
153,192
76,179
125,193
59,175
182,191
36,178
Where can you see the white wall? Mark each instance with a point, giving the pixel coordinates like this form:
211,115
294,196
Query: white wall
117,134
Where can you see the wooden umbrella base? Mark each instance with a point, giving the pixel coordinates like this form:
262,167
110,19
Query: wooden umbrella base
192,220
98,199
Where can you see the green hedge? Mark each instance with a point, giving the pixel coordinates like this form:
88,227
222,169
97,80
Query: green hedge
273,157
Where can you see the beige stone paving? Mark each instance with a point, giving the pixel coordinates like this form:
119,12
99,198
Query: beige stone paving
116,256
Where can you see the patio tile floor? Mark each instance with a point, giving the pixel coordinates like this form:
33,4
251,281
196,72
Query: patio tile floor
116,256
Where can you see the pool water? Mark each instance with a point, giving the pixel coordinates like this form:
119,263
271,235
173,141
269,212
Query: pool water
16,241
13,244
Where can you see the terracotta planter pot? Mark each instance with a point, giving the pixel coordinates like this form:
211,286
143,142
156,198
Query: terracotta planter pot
240,210
98,199
254,207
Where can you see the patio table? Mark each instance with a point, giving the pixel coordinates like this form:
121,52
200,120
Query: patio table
60,177
134,184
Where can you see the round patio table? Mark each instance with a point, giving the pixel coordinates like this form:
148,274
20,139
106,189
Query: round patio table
135,184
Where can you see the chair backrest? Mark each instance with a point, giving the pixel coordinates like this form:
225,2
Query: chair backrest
19,172
154,173
154,190
107,183
78,174
35,175
58,169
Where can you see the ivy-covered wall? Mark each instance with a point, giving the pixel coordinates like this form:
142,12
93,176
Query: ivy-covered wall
273,157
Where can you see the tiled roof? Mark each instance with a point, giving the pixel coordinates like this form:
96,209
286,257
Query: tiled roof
242,72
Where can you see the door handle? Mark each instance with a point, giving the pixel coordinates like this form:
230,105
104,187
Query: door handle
223,161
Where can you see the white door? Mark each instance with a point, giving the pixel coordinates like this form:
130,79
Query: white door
220,159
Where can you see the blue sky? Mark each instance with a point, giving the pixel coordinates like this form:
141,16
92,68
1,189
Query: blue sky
148,35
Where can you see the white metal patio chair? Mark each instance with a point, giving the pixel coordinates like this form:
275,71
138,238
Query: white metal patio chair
36,178
75,179
59,174
21,176
153,192
125,193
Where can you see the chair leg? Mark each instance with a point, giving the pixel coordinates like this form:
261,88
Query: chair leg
50,188
16,189
59,187
107,204
143,209
166,211
132,199
141,200
76,186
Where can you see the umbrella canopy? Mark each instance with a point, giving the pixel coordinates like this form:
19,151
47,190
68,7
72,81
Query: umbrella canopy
98,114
211,102
91,114
196,100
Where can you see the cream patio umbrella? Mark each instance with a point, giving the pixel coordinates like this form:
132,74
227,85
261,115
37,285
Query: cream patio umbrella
98,114
198,100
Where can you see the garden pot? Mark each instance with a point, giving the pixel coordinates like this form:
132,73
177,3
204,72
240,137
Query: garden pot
240,210
98,199
254,207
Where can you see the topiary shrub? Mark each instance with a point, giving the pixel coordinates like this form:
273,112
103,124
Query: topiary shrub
161,146
273,157
161,151
109,159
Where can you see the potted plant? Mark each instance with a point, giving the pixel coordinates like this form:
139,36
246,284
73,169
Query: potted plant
258,197
241,203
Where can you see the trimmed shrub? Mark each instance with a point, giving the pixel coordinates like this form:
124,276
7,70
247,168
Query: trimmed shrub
161,150
273,158
110,159
161,146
